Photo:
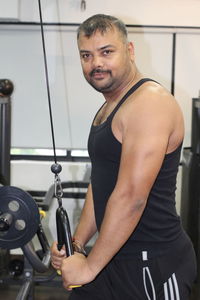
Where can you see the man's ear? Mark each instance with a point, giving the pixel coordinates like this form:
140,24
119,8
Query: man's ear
131,50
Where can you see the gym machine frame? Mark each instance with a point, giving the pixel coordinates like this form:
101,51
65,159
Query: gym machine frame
6,89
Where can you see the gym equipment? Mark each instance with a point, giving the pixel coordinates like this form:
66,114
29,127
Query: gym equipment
62,221
19,217
19,214
190,193
16,267
6,89
20,221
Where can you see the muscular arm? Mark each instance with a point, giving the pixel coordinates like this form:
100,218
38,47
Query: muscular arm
87,225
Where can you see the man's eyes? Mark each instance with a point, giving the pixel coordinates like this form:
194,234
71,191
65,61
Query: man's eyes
85,55
107,52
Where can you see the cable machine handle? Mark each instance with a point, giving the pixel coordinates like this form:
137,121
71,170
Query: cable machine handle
63,231
64,235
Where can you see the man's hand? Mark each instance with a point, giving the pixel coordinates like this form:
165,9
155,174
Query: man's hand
76,271
57,256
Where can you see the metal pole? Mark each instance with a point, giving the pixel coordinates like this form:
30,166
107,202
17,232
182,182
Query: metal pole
6,89
5,139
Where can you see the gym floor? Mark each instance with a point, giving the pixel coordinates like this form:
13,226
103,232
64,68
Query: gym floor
9,291
40,293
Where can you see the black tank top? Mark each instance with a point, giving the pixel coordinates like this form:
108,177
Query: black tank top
159,223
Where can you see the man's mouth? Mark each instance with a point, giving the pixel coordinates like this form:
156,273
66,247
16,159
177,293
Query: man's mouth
98,73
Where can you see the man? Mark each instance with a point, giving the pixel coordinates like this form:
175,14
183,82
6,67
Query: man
134,144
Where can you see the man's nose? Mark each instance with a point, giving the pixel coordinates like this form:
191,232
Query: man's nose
97,61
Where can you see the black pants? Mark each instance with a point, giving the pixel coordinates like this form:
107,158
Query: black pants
167,277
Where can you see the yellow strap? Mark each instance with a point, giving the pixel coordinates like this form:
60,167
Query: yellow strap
71,286
42,213
59,272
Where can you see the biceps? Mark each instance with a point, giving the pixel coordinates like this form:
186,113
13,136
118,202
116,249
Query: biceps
140,165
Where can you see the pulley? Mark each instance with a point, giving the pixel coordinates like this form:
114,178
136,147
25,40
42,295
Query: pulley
19,217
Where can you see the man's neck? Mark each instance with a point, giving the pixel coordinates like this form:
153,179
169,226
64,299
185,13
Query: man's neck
117,94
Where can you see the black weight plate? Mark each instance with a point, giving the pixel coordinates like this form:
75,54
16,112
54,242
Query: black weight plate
25,217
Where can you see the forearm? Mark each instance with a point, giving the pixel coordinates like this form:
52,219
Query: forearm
120,220
87,224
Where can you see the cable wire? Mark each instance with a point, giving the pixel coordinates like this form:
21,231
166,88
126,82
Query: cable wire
47,82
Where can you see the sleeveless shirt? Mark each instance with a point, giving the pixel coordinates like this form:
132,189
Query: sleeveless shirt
159,223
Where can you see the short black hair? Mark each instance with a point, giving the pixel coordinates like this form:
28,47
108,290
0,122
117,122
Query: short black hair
102,23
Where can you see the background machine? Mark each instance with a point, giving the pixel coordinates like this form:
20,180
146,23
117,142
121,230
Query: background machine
190,192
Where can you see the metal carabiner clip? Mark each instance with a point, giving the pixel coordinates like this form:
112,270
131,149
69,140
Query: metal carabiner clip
58,189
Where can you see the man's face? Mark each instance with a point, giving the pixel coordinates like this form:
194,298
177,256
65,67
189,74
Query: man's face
105,59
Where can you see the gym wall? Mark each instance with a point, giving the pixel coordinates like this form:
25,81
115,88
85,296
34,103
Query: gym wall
74,102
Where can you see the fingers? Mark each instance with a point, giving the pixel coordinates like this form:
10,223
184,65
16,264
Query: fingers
57,256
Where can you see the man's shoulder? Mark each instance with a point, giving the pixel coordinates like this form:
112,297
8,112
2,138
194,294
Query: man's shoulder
151,102
150,94
153,89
